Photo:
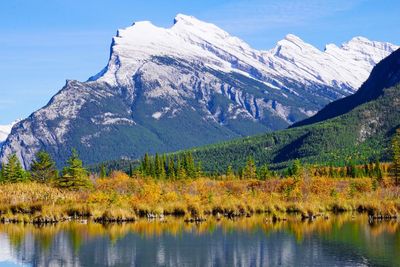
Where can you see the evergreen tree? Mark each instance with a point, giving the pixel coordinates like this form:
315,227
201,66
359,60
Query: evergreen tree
146,165
43,168
296,169
366,170
180,170
371,168
264,172
171,168
130,169
351,170
250,170
198,170
342,172
2,173
395,166
377,170
74,175
103,172
157,166
188,164
159,171
229,173
13,171
331,171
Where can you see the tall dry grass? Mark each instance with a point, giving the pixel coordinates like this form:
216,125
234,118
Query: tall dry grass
120,198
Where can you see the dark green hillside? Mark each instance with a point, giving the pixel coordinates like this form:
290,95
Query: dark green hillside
360,135
385,74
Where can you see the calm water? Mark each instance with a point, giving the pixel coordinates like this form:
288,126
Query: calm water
338,241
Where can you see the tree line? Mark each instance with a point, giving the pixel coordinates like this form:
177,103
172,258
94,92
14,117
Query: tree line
183,166
43,170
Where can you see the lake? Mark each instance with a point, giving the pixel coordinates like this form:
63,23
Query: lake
343,240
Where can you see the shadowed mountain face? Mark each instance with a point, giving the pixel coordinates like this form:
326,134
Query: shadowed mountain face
358,127
190,85
384,75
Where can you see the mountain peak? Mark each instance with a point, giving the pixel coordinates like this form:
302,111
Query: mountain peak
293,38
292,42
185,18
360,39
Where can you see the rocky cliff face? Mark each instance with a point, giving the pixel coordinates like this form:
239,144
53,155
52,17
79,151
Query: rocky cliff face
189,85
5,130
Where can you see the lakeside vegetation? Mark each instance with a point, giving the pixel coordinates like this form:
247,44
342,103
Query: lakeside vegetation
171,185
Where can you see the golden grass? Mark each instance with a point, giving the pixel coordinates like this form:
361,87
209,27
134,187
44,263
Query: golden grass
121,198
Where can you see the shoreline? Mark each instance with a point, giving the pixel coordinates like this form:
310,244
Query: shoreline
122,198
267,218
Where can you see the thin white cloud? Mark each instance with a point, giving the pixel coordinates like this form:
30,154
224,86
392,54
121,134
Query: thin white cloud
53,38
247,17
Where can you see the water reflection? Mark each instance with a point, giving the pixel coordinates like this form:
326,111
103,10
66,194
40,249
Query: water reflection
341,240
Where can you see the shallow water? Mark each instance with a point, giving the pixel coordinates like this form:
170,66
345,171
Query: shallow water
339,241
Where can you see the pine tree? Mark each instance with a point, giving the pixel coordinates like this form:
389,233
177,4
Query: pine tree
159,170
296,169
2,173
263,172
351,170
103,172
180,170
171,168
146,165
378,171
190,166
229,173
366,170
198,170
331,171
13,171
250,170
130,170
74,175
395,166
43,168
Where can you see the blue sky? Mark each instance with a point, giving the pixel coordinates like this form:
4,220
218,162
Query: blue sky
45,42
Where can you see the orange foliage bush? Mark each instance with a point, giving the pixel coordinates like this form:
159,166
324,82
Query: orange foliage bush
118,182
322,186
361,185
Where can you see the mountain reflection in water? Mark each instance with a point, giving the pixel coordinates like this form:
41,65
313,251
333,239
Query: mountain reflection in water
338,241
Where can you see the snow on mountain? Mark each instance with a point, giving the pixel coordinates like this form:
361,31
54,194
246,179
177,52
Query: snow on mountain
166,89
346,66
5,130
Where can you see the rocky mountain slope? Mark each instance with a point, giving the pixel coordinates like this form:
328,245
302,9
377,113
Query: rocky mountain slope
5,130
361,134
190,85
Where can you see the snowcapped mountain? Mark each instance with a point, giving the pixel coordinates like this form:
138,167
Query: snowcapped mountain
189,85
347,66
